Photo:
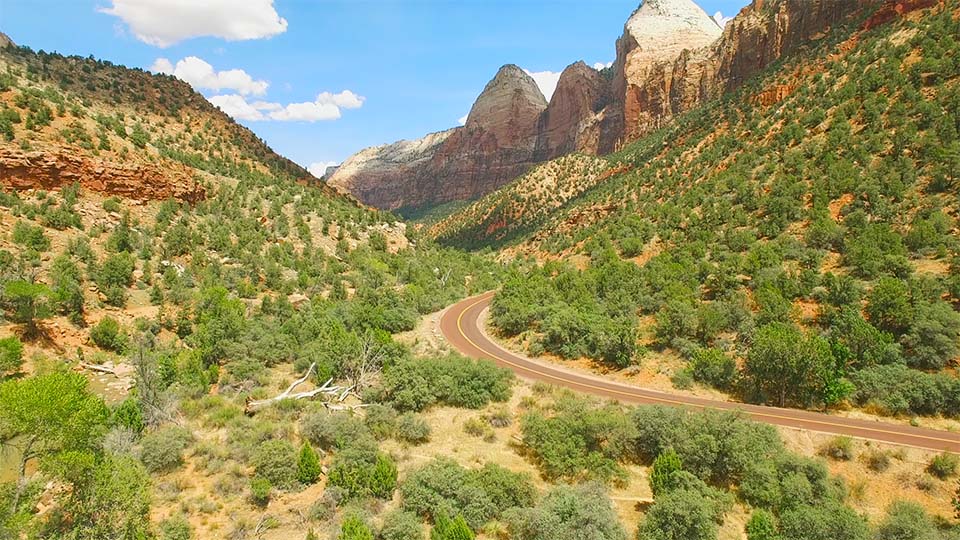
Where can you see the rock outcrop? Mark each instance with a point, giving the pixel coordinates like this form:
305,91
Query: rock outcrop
137,181
671,57
495,145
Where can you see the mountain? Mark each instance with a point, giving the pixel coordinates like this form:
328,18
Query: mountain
670,58
120,131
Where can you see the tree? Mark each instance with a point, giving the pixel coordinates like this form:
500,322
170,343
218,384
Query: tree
67,288
11,355
308,464
451,529
276,460
48,414
568,513
784,366
888,305
353,528
26,303
220,320
108,335
682,514
661,473
401,525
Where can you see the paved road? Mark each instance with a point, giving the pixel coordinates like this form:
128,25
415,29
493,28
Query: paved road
460,326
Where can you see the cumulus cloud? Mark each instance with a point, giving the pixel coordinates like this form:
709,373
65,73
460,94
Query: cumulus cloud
546,81
201,74
721,20
165,22
319,168
325,107
463,119
600,65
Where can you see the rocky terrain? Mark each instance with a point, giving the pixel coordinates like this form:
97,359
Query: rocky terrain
671,57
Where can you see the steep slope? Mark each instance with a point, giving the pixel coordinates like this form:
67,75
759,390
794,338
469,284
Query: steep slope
119,131
670,58
495,146
816,202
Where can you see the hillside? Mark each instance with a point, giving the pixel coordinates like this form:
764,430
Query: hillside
818,196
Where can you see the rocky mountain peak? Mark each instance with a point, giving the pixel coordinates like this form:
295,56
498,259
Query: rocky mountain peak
664,28
511,97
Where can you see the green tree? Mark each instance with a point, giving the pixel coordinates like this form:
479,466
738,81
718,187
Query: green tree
784,366
219,320
276,460
565,512
30,236
401,525
11,355
26,303
308,464
661,473
451,529
67,287
888,305
48,414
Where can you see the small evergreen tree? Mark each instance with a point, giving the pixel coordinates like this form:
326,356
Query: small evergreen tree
667,463
762,526
308,464
354,528
451,529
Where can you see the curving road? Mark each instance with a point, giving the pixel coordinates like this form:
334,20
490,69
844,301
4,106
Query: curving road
461,327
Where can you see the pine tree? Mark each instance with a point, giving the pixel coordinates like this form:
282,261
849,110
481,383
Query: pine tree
451,529
308,464
354,528
663,468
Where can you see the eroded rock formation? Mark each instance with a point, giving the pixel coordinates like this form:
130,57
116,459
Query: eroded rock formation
21,170
671,57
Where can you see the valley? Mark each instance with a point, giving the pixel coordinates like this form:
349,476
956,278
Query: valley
708,291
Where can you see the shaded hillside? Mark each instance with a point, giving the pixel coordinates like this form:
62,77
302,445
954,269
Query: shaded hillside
821,194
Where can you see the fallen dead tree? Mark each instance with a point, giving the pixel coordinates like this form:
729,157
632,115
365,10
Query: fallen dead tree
98,368
335,392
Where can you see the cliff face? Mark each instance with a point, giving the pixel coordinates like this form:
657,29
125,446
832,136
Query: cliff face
495,145
671,57
137,181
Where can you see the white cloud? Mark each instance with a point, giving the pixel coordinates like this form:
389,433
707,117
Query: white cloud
546,80
463,119
201,74
236,106
600,65
721,20
319,168
165,22
325,107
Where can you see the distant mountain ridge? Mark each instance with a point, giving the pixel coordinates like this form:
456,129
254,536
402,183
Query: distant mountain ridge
671,57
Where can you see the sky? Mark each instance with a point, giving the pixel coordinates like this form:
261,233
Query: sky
321,79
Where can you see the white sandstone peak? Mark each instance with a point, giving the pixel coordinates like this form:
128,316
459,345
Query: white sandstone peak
664,28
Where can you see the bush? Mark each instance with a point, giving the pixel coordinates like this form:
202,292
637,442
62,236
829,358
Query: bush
175,528
762,526
838,448
876,460
30,236
443,487
308,465
108,335
831,521
128,414
684,514
661,473
353,528
276,460
162,450
943,465
11,355
897,389
361,472
714,368
907,521
565,513
413,429
333,430
401,525
381,420
414,384
260,489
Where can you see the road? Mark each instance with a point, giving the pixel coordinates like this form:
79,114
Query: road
460,325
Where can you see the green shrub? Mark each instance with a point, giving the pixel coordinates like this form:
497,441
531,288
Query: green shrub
943,465
108,335
762,526
412,428
565,512
30,236
11,355
661,473
414,384
162,450
333,430
362,472
876,460
308,465
381,420
175,527
260,489
401,525
714,368
128,414
353,528
276,460
838,448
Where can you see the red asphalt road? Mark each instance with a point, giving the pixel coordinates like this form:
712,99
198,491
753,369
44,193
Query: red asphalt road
461,327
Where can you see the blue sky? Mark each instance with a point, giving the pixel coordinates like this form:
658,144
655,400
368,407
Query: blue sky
365,72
